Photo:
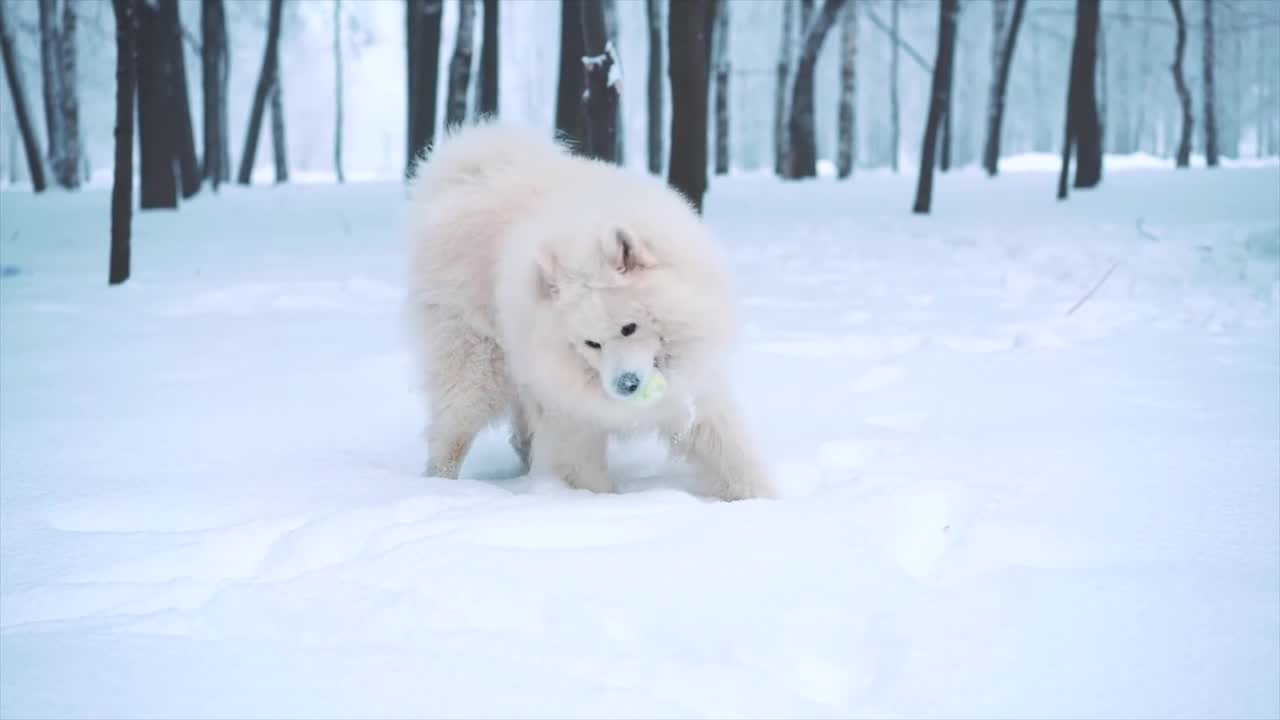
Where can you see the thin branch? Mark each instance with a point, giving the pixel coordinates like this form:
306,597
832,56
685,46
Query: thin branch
1094,289
924,64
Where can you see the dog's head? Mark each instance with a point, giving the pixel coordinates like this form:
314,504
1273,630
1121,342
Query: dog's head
629,308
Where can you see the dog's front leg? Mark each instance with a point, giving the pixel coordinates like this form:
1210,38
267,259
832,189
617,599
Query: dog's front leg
719,447
573,451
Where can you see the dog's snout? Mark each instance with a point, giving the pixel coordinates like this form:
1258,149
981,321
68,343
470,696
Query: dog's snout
626,384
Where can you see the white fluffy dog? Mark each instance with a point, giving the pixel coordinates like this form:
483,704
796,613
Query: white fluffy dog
577,298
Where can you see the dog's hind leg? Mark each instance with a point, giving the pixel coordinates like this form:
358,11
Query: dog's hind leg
467,387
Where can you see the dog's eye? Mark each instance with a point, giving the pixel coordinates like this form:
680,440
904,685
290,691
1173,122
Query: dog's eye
593,344
628,329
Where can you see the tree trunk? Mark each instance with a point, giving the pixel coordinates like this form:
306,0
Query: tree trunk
847,118
689,24
948,10
654,14
62,107
157,131
1210,116
803,153
180,102
279,149
489,61
266,79
600,99
1003,45
721,42
944,153
337,90
894,120
13,73
1184,95
460,66
122,184
213,65
569,90
423,33
1144,73
610,8
1083,131
780,142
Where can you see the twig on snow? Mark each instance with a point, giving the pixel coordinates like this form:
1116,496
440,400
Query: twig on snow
1146,234
1094,289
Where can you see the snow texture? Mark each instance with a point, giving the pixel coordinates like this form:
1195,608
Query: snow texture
211,502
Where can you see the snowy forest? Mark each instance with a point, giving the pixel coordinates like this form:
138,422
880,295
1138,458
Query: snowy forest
1005,282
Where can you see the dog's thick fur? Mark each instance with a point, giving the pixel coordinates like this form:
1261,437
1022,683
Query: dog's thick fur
520,253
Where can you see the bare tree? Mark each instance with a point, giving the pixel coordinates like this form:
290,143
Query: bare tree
489,60
179,109
570,87
780,144
1144,75
337,90
720,40
1180,83
948,11
847,119
266,80
460,66
158,143
944,152
894,122
600,98
122,183
214,71
1003,41
1083,131
653,13
422,34
1210,116
279,149
803,152
61,99
13,73
689,26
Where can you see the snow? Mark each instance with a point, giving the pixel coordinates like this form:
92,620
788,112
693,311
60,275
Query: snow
211,502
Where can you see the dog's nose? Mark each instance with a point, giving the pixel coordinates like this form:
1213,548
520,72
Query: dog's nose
626,384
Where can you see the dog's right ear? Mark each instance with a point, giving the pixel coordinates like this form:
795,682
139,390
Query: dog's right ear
548,269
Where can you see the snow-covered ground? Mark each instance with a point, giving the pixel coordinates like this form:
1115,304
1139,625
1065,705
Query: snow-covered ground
211,501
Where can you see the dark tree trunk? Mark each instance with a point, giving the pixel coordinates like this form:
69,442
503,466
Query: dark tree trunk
489,61
278,146
847,119
423,32
654,14
122,184
600,99
1184,95
213,57
803,153
1083,132
62,107
780,143
894,121
995,109
180,102
569,90
1210,115
157,128
337,90
948,10
266,79
721,41
944,152
13,73
689,25
460,66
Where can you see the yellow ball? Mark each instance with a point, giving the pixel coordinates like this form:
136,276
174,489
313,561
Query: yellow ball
652,389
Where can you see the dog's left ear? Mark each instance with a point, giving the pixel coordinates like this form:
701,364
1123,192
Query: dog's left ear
625,252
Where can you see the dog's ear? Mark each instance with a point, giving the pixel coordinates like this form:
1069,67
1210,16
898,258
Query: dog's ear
548,271
625,252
